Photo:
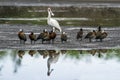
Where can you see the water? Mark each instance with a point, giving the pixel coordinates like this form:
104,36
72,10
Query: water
60,64
62,3
84,60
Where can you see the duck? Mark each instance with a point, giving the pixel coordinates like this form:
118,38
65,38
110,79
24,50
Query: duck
41,35
91,35
44,36
64,37
22,36
98,33
52,35
79,34
32,37
102,35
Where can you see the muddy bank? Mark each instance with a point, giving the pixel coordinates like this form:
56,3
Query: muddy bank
9,38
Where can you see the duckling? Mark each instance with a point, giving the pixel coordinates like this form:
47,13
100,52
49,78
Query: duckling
91,35
22,36
52,35
63,37
32,37
79,34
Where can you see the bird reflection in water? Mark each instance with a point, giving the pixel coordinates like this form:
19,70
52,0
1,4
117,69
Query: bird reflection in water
21,53
18,60
98,52
32,52
53,58
43,53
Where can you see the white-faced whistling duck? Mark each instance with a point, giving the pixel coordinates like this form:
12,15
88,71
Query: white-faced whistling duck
52,35
98,33
91,35
32,37
102,36
44,36
63,37
79,34
22,36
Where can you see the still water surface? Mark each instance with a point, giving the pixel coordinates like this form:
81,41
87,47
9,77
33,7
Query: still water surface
60,64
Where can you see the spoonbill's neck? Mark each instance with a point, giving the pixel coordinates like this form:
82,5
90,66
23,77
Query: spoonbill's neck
49,15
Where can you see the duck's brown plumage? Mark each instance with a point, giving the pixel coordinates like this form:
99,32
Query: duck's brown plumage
64,37
22,36
98,34
32,37
91,35
101,35
79,34
52,36
44,36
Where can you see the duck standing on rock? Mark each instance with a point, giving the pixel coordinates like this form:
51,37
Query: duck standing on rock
91,35
64,37
32,37
22,36
79,34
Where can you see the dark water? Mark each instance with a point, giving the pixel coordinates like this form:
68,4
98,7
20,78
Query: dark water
98,64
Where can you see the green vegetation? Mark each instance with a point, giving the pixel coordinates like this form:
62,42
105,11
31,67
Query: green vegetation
108,53
107,16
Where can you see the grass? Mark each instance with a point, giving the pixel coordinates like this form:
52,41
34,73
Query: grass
99,16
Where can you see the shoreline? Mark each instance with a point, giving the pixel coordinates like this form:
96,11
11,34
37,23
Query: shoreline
64,4
9,38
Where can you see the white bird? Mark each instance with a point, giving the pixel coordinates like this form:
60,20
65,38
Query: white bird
53,22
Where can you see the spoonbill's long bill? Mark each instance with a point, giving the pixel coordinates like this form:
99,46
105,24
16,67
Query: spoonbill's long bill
53,22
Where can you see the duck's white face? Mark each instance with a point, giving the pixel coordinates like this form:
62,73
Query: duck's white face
21,29
103,31
45,30
64,33
51,13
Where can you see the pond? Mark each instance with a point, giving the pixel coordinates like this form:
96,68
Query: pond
73,60
95,64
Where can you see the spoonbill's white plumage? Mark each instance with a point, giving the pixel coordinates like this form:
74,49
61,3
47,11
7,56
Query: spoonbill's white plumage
53,22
